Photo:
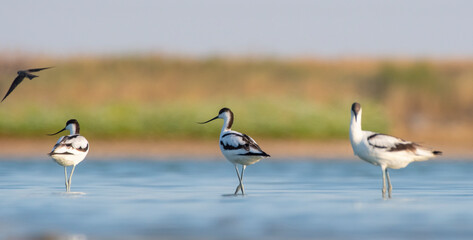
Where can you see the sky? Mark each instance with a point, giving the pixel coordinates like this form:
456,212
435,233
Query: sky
329,28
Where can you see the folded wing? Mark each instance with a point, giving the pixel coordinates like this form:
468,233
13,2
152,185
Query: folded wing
242,143
72,144
394,144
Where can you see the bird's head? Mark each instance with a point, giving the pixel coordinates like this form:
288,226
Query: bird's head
72,125
356,110
224,113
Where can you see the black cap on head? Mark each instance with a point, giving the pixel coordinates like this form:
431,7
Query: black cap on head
355,108
71,121
224,110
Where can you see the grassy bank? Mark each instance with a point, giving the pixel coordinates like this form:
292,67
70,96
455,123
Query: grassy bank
163,97
178,120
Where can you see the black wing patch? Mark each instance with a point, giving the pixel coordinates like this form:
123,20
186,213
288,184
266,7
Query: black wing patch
411,147
251,143
255,154
236,134
63,153
230,147
83,149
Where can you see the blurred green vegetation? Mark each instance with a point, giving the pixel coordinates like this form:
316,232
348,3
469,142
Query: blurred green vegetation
158,97
178,120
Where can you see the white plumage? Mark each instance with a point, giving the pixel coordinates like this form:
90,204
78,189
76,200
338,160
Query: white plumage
384,150
70,150
238,148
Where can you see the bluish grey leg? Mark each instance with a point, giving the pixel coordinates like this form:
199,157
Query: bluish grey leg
390,187
70,178
384,181
239,179
243,167
65,175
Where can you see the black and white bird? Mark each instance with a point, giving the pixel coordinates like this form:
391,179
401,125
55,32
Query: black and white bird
70,150
238,148
384,150
21,75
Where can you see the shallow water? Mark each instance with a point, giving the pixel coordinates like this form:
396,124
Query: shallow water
176,199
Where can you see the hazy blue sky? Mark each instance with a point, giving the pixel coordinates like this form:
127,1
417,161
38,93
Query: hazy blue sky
330,28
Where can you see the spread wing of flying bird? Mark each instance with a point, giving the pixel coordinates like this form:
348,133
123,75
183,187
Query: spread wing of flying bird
21,75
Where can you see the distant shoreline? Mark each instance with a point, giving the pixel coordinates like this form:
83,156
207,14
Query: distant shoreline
202,149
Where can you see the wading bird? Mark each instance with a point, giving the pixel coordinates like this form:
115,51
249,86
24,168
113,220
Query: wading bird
70,150
384,150
238,148
21,75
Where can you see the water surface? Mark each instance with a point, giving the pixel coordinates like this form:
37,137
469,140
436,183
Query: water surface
286,199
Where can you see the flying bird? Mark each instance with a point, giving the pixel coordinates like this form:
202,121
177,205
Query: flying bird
384,150
21,75
238,148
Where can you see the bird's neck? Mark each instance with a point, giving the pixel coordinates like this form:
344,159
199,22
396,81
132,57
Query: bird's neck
227,123
355,130
73,129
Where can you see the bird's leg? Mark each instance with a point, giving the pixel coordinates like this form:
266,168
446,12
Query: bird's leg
390,187
65,175
243,167
239,179
70,177
384,182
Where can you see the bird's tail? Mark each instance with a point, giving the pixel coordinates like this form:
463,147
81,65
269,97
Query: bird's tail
423,154
436,153
30,76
